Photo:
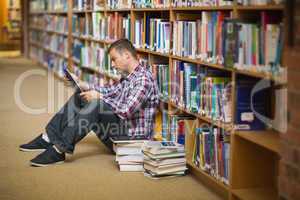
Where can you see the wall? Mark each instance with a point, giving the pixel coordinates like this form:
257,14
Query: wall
289,184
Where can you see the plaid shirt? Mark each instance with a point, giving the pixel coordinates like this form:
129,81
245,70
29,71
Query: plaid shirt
134,99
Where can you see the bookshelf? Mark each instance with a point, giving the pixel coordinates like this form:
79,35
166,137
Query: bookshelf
13,25
253,156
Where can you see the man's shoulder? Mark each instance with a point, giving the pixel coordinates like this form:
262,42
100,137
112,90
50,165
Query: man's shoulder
144,73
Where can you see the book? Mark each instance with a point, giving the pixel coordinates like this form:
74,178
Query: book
128,139
250,105
211,152
131,168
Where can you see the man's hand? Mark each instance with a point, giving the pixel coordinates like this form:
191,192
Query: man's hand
83,85
90,95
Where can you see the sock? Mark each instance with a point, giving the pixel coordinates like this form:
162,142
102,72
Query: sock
56,149
45,137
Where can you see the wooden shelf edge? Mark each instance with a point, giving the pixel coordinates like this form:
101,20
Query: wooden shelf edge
225,126
207,176
267,139
261,7
203,8
48,12
150,9
48,50
256,193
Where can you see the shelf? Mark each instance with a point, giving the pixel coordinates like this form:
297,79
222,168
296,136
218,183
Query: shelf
86,11
213,179
114,77
44,66
48,12
267,139
203,8
118,10
263,7
225,126
88,38
152,52
256,193
262,75
151,9
49,31
48,50
11,8
197,61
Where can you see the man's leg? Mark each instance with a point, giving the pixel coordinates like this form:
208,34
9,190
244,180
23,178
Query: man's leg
56,124
94,114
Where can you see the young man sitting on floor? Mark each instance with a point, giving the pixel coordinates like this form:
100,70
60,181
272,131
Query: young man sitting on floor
125,108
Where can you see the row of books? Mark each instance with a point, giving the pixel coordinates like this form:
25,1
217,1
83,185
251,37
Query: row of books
118,4
178,127
202,38
54,63
197,89
53,42
194,3
79,5
92,79
151,4
55,23
155,35
256,47
259,2
208,92
56,43
92,56
109,27
211,152
48,5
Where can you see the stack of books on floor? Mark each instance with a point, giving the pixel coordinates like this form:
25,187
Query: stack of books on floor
164,159
129,154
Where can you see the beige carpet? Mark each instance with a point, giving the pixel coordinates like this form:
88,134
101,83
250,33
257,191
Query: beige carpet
89,174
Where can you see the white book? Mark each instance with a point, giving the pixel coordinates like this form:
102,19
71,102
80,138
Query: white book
128,151
130,158
131,168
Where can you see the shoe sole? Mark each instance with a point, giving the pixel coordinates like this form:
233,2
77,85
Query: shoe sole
45,165
31,150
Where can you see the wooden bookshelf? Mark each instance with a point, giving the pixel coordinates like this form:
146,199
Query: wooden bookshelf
256,193
267,139
254,154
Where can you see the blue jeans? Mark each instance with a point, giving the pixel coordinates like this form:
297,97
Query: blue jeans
77,118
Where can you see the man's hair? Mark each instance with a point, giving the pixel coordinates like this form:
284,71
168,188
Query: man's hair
121,45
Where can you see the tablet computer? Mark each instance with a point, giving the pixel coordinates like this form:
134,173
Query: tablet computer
70,78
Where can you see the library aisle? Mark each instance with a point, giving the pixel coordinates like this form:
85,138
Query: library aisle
90,173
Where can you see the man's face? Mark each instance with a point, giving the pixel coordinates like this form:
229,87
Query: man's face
119,60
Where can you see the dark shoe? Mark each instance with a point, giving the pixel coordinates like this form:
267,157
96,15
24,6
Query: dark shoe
48,157
38,144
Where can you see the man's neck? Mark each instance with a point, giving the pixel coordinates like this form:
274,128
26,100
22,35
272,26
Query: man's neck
132,65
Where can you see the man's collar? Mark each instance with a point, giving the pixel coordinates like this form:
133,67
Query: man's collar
134,71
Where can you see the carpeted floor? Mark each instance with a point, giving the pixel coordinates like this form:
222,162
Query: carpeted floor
88,174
